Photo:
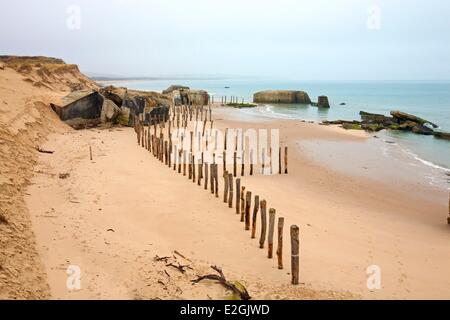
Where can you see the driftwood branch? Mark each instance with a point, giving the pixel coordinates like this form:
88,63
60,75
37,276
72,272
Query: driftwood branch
237,288
179,267
157,258
39,149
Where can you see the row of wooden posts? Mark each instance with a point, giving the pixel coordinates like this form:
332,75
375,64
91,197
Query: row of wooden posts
233,99
240,197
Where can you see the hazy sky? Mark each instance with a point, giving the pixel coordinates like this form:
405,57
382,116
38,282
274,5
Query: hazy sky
286,39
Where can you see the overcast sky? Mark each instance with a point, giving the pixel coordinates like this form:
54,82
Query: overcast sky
286,39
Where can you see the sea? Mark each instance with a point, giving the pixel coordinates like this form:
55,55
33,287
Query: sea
427,99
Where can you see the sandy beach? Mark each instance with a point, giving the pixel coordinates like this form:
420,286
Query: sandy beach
113,215
136,229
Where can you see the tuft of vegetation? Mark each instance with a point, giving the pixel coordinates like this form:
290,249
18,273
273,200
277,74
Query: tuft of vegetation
351,126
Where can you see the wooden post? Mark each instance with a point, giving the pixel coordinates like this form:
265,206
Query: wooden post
248,200
193,168
225,186
238,195
200,170
280,242
255,215
230,188
90,152
279,160
184,162
216,180
145,140
166,153
448,219
190,166
211,171
242,163
251,162
263,160
206,176
224,161
285,160
175,153
225,140
270,160
294,254
242,203
262,237
272,213
169,152
234,163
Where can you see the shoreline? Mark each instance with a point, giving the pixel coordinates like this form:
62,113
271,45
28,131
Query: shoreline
399,154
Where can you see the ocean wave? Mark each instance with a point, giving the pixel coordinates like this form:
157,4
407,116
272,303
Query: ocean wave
425,162
269,112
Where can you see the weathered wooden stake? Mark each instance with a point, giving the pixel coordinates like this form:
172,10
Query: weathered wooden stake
200,171
272,213
294,254
242,163
251,162
190,166
234,163
255,215
279,160
193,168
175,153
242,204
263,161
262,237
285,160
224,161
248,200
238,195
206,176
90,152
225,186
230,190
280,242
216,180
184,162
211,171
